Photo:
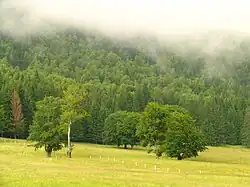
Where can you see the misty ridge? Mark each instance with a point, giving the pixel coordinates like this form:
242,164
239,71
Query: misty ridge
213,30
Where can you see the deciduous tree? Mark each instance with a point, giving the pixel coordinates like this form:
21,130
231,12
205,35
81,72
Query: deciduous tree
170,129
120,128
183,138
72,108
47,130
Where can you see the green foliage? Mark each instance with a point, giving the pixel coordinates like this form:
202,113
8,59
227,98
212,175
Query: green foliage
3,124
47,129
245,131
72,108
170,129
120,128
153,127
73,104
80,130
183,137
97,76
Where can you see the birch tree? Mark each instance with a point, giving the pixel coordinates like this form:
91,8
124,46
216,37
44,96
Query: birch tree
72,107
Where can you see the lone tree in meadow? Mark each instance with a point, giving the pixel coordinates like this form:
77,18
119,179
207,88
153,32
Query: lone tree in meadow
47,129
120,128
171,130
72,109
17,115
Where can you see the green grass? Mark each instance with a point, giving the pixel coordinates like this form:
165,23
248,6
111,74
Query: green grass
21,166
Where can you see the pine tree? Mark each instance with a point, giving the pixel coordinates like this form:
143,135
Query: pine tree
2,120
17,115
245,131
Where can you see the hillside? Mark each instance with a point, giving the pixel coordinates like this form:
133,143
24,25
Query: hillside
125,75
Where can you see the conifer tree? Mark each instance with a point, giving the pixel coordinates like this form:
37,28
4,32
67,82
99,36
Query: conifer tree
245,131
17,115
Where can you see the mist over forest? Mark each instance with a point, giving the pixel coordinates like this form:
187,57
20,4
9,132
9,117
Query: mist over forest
125,55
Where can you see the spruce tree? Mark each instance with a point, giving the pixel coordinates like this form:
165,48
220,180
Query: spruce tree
17,115
245,130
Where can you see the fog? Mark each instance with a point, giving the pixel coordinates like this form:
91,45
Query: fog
171,21
156,17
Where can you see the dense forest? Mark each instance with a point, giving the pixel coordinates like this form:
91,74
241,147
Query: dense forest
119,75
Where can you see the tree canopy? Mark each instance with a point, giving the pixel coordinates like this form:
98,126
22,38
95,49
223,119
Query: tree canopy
120,128
170,129
47,130
118,75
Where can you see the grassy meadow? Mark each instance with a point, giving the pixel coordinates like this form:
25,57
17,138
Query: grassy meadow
97,165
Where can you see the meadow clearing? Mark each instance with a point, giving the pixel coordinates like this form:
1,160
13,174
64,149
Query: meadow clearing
97,165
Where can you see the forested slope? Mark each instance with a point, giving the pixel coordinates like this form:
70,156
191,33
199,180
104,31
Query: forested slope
124,75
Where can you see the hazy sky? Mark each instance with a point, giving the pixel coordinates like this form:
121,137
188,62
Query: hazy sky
154,16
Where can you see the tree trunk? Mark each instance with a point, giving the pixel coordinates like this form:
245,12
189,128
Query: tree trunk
69,143
48,150
179,157
49,153
125,146
69,153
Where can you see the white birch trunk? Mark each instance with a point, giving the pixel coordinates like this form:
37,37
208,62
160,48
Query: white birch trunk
69,143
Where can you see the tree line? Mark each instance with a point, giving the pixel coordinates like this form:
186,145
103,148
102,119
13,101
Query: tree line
118,79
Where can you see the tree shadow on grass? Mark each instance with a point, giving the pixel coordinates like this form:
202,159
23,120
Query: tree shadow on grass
129,148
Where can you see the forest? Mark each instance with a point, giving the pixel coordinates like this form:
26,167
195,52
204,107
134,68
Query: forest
119,78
